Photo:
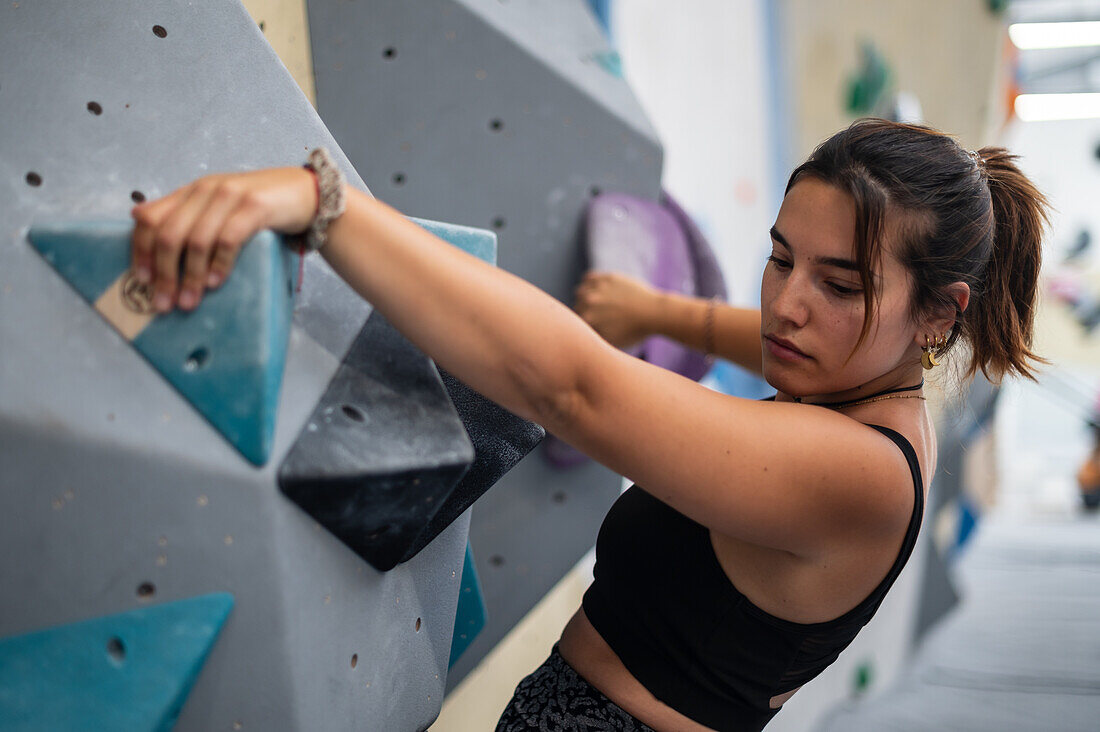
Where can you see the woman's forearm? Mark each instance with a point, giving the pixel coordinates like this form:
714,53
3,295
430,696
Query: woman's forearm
735,334
498,333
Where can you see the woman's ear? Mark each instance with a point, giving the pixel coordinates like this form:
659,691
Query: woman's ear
942,320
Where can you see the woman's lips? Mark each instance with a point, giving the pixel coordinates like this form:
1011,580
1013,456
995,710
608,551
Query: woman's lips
783,349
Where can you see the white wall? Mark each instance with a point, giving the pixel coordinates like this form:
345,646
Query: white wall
1060,157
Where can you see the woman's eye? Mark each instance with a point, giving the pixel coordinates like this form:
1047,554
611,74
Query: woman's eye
843,290
779,262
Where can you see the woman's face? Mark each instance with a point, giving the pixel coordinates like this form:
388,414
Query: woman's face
811,300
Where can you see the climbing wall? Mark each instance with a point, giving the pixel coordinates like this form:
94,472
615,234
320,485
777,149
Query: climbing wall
135,509
509,116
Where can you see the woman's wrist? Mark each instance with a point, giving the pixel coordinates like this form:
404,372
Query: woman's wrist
663,314
686,319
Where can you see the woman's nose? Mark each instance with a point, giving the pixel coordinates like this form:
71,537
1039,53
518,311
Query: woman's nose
790,303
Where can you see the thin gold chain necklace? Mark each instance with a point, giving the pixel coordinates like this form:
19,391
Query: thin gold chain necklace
895,393
868,400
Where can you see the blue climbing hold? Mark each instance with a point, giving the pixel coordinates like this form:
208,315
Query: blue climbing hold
478,242
131,671
611,62
471,615
602,10
226,357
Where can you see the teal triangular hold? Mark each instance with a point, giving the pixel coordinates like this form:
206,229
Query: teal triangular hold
470,616
131,671
611,62
226,357
478,242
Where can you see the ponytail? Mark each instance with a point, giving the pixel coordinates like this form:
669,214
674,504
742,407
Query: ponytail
999,322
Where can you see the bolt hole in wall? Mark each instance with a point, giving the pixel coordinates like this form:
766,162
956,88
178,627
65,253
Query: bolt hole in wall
159,31
95,108
418,625
499,222
496,125
389,53
353,413
354,660
116,650
197,359
34,179
146,590
399,179
137,196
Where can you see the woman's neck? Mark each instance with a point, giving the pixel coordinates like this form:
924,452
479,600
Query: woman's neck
900,378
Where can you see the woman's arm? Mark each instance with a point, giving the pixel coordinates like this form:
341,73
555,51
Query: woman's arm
778,475
624,311
493,330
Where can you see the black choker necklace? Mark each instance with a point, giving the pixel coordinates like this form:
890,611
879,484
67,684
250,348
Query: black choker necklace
896,393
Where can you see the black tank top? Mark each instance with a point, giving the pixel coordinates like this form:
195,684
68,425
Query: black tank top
662,602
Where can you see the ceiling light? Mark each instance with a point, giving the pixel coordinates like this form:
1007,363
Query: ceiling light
1044,107
1029,36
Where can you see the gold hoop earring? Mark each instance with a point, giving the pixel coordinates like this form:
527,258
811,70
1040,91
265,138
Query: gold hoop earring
928,358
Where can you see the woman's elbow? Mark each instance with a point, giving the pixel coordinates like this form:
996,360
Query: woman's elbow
552,397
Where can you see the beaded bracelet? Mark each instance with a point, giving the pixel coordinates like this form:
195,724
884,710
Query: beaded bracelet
331,197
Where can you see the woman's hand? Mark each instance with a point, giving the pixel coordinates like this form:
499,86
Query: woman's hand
621,309
203,226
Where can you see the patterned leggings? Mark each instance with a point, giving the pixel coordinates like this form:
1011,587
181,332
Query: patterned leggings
554,698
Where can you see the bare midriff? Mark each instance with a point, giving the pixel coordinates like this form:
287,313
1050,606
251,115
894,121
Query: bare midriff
587,652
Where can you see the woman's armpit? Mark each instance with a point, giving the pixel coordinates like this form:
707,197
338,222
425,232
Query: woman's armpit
780,699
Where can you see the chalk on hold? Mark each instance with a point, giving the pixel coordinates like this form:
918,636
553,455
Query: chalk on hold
382,439
226,357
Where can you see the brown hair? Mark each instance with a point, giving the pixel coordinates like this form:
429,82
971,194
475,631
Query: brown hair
955,217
